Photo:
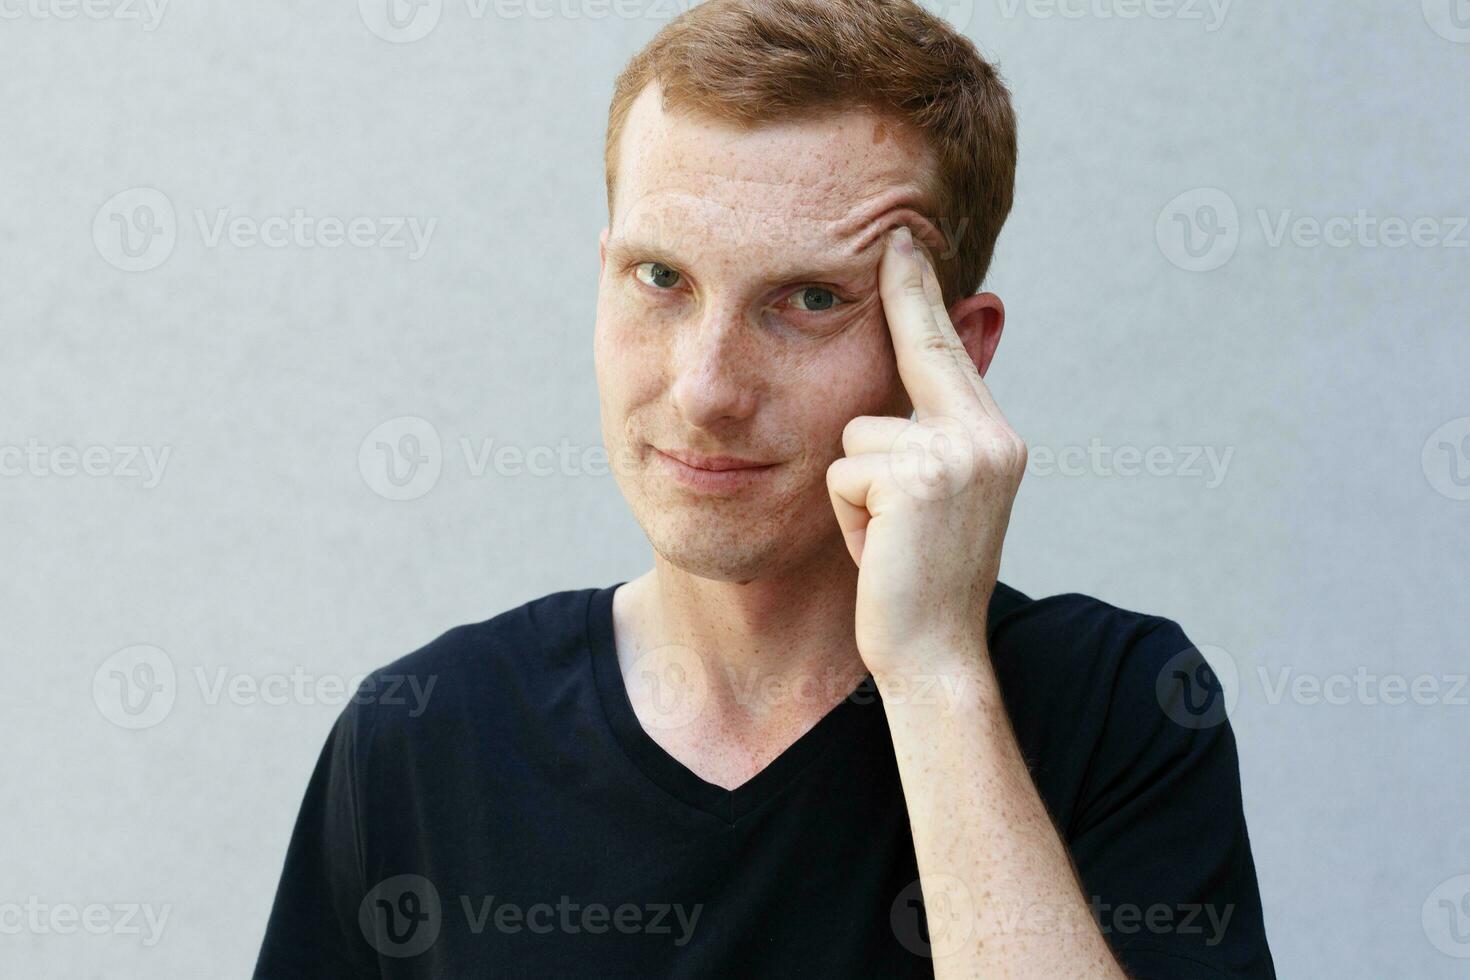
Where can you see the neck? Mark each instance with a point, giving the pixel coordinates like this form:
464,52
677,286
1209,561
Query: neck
782,645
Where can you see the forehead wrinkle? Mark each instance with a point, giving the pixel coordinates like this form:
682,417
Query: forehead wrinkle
673,218
899,206
809,201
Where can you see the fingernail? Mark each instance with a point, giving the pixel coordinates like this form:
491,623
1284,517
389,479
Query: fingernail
903,240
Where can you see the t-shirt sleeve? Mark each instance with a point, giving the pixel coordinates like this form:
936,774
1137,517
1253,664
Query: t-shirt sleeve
1159,835
313,927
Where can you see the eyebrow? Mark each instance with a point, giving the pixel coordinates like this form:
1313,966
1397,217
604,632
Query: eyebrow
851,271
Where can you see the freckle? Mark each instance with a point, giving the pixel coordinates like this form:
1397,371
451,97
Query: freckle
880,133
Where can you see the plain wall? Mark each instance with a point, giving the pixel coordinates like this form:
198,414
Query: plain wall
1331,545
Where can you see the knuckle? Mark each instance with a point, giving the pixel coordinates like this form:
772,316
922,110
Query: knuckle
912,287
934,342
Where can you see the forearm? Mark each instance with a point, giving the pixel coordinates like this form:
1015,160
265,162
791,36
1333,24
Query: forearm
998,884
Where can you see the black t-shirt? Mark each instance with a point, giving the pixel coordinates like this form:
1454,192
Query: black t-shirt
490,806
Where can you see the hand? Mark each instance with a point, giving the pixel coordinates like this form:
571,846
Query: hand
924,504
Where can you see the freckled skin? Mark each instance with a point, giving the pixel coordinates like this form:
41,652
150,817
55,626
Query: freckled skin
722,364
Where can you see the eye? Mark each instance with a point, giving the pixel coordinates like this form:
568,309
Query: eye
657,274
813,299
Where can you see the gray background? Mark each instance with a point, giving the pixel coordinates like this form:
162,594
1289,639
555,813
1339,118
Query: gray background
1333,547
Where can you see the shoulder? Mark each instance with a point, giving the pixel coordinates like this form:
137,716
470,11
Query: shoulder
548,624
464,675
1079,641
1092,686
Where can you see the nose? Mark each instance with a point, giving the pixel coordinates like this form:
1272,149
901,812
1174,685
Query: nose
716,375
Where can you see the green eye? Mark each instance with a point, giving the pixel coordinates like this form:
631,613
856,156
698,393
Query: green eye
657,274
814,299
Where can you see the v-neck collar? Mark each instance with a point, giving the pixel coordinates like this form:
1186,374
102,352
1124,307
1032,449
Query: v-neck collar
677,779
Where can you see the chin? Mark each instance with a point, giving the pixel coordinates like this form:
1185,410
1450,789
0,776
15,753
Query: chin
724,550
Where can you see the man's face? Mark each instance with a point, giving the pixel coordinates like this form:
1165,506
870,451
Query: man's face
738,315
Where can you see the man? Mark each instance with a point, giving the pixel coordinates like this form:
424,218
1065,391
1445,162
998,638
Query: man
817,738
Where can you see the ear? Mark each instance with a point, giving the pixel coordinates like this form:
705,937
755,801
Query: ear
979,320
601,253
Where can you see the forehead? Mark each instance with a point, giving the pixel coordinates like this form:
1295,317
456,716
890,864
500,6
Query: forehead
830,180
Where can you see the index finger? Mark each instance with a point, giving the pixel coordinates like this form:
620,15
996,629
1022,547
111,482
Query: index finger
932,361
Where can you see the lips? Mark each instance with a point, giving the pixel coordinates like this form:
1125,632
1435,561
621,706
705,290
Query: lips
714,464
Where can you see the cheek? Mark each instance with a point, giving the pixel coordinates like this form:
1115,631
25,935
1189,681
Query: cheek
853,375
628,355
